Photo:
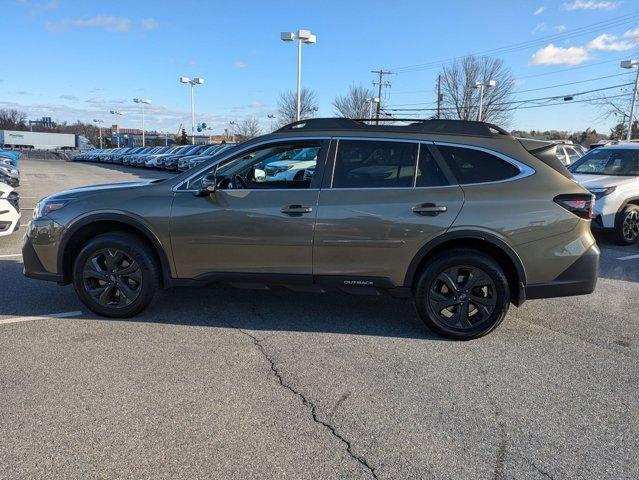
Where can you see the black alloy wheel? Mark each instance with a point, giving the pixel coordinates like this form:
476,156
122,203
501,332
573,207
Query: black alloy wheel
462,294
112,278
462,297
117,274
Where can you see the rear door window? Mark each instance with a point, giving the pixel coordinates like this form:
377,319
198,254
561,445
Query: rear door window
429,174
374,164
476,166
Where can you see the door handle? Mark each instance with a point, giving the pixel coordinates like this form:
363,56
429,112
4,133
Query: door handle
429,209
296,210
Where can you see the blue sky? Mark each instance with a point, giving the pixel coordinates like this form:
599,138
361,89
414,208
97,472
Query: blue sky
73,59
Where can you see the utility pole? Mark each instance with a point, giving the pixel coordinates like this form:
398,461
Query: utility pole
439,96
380,83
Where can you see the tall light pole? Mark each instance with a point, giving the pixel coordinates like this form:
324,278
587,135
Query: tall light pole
632,64
303,36
99,122
481,86
232,123
271,117
193,82
142,102
117,127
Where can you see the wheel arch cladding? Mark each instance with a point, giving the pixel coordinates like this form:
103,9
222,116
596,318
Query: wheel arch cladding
82,231
482,242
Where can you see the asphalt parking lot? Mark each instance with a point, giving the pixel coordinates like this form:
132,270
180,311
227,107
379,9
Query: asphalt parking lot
220,382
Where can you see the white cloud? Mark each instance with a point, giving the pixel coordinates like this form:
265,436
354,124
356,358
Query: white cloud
610,43
539,11
71,98
109,23
552,55
560,28
632,34
540,27
240,64
95,101
590,5
150,24
39,7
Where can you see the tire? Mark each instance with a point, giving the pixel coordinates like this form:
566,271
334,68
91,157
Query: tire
116,275
627,225
442,308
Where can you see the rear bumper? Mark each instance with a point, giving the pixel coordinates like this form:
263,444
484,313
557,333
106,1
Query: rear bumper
578,279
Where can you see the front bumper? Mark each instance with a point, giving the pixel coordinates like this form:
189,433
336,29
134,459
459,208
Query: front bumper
40,250
578,279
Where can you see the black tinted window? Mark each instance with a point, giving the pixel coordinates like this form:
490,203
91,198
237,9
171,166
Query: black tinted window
475,166
428,172
374,164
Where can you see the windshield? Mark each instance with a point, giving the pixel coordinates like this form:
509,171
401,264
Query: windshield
608,161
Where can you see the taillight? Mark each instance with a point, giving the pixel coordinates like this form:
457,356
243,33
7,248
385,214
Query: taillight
579,203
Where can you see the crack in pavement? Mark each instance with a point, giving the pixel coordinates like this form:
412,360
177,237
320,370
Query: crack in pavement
543,472
498,472
308,403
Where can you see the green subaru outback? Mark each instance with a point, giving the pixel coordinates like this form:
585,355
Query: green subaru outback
461,217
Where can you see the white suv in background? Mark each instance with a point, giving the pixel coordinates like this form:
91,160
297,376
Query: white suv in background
611,174
9,210
293,168
568,152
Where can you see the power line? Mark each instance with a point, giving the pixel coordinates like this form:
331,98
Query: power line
520,102
588,29
380,83
626,95
579,67
573,83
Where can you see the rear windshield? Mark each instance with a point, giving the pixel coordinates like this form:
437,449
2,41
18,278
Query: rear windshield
608,161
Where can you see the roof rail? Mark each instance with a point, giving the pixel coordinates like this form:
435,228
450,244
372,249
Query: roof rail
445,127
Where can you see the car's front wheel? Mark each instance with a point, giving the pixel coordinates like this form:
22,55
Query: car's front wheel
462,294
116,275
627,228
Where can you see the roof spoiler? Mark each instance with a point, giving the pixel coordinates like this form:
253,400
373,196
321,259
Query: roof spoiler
546,151
535,146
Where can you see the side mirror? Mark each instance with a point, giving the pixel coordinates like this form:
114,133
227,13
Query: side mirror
259,175
209,183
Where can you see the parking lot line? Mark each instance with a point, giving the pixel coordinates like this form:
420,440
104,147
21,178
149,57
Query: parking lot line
629,257
11,255
6,321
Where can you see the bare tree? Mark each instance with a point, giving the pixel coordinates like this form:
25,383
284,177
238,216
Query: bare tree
249,128
461,98
11,119
287,106
614,105
354,104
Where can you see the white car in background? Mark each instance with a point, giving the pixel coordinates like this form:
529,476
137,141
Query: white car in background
568,152
611,174
9,210
291,169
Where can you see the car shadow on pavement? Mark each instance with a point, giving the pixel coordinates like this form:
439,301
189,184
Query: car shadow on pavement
224,306
610,264
280,309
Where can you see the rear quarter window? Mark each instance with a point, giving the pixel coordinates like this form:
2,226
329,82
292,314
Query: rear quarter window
476,166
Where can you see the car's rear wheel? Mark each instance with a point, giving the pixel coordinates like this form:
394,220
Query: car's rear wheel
116,275
462,294
627,228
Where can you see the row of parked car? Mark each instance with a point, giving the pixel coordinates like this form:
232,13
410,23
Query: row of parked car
174,158
9,198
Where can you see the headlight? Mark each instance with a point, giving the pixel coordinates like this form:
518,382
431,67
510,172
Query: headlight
601,192
45,207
